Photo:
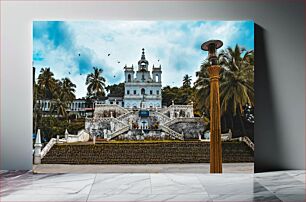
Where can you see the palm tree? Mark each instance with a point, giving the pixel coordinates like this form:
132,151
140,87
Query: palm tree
236,82
187,81
46,83
237,86
67,89
202,86
60,107
63,96
96,83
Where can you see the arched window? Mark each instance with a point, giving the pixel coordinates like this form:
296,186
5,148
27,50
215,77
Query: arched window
143,91
156,77
129,78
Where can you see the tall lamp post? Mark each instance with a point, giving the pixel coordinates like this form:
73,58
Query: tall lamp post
215,117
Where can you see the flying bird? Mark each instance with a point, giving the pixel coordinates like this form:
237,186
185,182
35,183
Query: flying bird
118,62
79,54
114,76
68,72
158,60
108,54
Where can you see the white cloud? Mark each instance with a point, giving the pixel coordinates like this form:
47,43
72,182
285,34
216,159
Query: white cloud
176,44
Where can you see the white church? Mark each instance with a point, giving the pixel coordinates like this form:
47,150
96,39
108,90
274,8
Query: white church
143,89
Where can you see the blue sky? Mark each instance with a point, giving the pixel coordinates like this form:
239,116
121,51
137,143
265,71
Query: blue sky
72,48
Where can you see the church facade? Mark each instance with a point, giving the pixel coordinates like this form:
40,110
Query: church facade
143,87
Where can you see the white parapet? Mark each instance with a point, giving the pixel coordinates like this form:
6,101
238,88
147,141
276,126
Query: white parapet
82,136
48,147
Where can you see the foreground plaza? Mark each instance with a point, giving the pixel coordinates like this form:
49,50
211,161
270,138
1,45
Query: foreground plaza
271,186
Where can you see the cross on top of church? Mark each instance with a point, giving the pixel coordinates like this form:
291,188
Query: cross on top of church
143,57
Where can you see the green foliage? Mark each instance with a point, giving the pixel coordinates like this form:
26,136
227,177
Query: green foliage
236,86
95,83
180,95
52,126
46,84
115,90
59,92
76,125
187,81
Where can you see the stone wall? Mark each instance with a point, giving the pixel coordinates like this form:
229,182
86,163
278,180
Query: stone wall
145,153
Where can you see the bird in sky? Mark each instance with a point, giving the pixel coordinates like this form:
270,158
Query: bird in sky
158,60
68,72
79,54
108,54
118,62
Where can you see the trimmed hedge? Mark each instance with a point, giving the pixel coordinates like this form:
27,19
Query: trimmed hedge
145,153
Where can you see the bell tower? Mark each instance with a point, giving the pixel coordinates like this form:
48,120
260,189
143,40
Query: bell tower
143,63
129,74
156,74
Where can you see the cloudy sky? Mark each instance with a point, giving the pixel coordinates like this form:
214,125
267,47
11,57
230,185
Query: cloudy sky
72,48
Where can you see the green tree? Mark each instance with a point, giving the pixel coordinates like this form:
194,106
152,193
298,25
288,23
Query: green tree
202,86
187,81
46,83
67,90
115,90
63,96
236,84
59,107
96,83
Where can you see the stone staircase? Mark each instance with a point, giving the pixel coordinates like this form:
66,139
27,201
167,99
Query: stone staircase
171,132
124,116
177,120
118,132
161,116
145,153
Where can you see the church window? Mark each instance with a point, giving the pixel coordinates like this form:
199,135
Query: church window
129,78
128,92
151,92
156,77
143,91
134,92
157,92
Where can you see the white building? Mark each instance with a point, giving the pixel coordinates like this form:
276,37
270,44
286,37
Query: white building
78,106
142,90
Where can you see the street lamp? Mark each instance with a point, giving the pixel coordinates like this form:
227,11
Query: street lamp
215,117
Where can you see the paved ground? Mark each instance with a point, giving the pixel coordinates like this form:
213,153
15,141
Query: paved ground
24,186
148,168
